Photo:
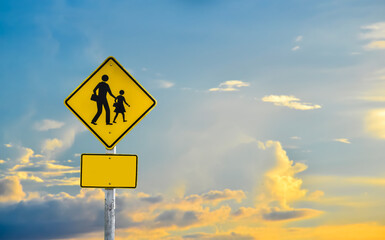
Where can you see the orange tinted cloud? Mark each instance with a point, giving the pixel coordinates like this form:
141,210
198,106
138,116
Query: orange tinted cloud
280,183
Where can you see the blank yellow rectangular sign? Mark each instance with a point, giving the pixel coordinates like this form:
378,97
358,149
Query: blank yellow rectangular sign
108,171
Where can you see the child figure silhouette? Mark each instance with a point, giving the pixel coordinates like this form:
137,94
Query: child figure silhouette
119,106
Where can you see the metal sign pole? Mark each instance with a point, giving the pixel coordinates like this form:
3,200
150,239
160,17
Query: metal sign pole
109,209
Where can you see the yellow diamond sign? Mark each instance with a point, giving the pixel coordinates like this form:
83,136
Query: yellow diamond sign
110,102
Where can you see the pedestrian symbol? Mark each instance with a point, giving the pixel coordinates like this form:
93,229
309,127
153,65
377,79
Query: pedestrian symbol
110,89
119,107
101,99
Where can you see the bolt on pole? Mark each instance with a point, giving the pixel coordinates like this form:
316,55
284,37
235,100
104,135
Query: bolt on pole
109,209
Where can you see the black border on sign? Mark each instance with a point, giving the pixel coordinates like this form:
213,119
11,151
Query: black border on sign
132,125
95,154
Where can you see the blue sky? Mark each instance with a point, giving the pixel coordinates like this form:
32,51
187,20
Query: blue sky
269,122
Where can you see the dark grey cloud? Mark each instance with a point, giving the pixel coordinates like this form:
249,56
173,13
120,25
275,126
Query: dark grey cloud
238,213
222,195
175,217
50,219
195,236
66,217
53,218
156,199
288,215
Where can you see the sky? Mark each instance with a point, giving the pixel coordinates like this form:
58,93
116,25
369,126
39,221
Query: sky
269,123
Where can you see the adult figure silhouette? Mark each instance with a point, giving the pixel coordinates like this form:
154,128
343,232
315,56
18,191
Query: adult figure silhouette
101,100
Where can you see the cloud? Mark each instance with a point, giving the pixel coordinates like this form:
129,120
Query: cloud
165,84
138,216
150,199
27,154
175,218
230,86
273,214
152,214
290,102
146,216
316,195
342,140
291,214
50,145
279,188
8,145
41,166
43,171
295,138
227,194
29,166
44,168
375,45
69,133
280,183
59,216
11,190
376,34
64,138
73,181
374,31
26,176
375,123
48,124
299,38
83,214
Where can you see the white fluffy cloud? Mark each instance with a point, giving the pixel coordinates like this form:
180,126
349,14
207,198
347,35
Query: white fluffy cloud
165,84
230,86
48,124
290,102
